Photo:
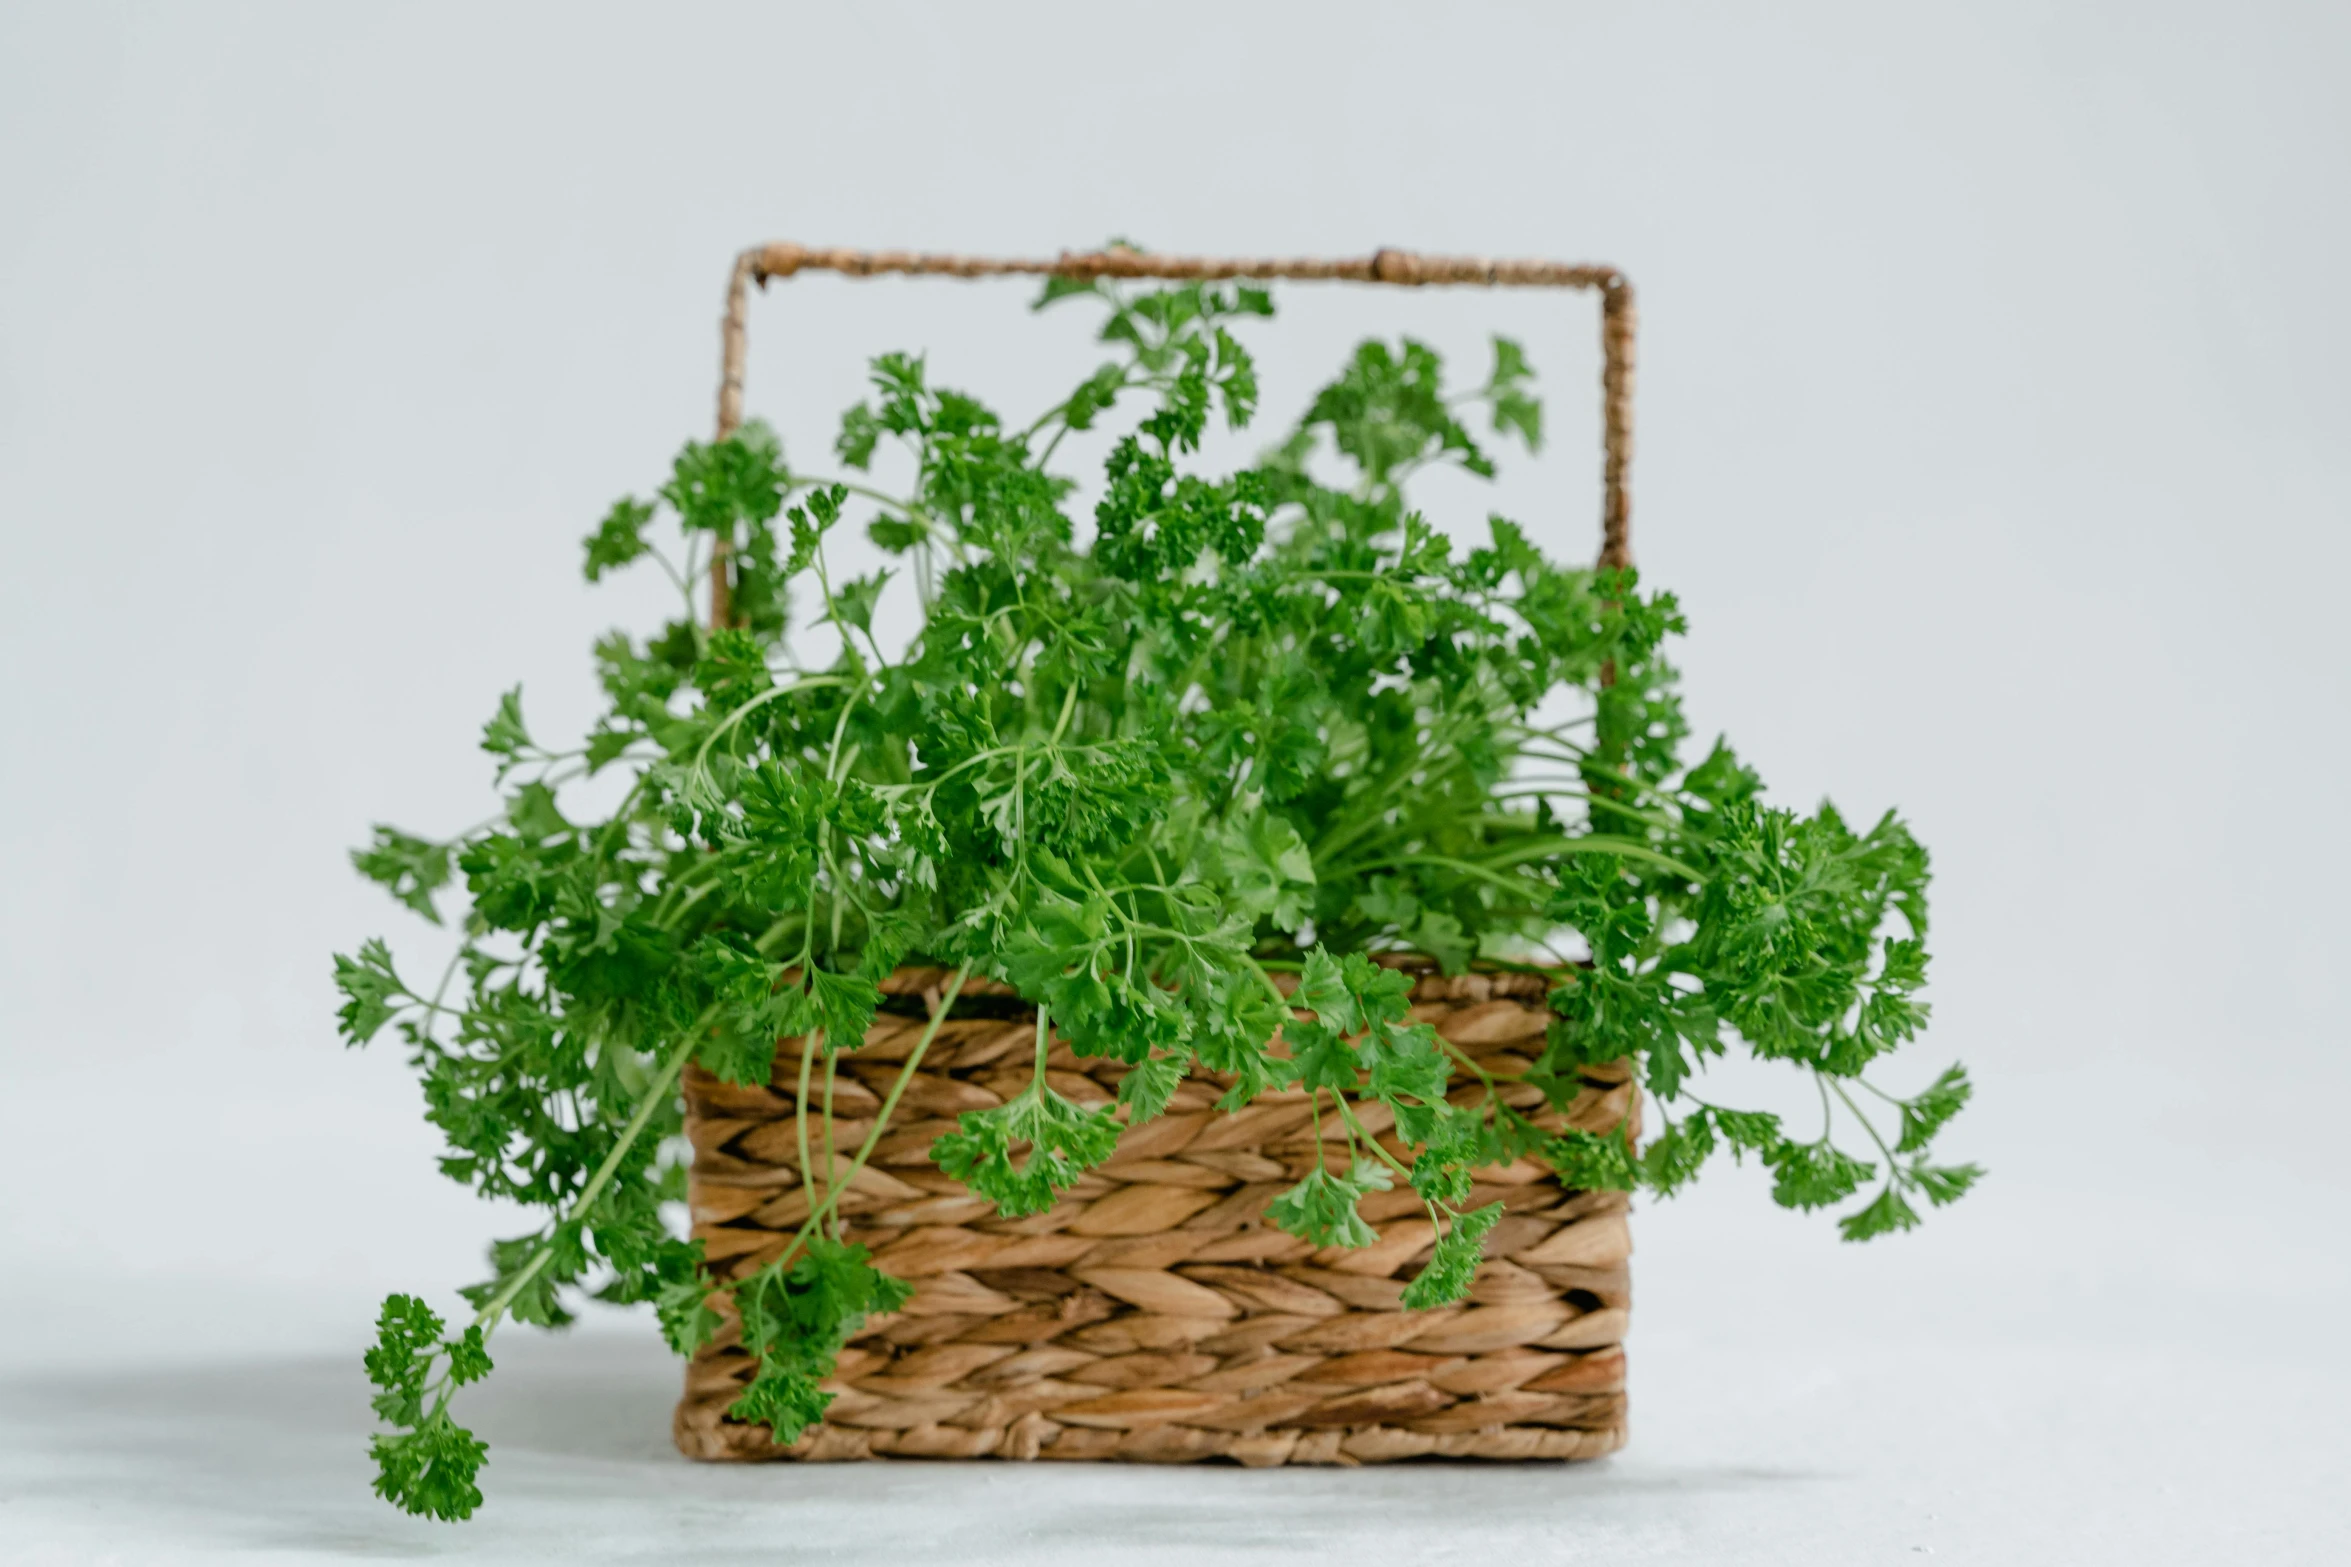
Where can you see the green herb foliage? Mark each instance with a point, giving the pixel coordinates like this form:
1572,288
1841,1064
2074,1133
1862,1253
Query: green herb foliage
1263,724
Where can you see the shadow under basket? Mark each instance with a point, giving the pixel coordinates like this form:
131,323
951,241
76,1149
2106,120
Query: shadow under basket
1153,1314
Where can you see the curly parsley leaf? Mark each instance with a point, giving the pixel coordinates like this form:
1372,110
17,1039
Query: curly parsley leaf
505,736
1814,1175
796,1317
1321,1208
410,868
428,1467
1026,1152
1926,1114
1453,1264
1589,1161
620,538
371,990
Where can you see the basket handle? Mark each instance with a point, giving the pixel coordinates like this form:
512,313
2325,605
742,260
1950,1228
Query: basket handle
785,259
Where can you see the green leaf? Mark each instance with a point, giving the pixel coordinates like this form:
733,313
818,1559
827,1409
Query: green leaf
755,1008
531,810
1321,1208
1814,1175
853,601
716,488
469,1358
738,1055
1407,1064
533,1295
1062,1142
428,1468
796,1316
1458,1142
1515,408
1753,1131
1943,1183
411,869
1148,1085
1884,1216
1440,936
430,1471
1323,990
860,432
1320,1059
1925,1115
732,669
1675,1159
897,535
504,735
371,992
844,1006
1453,1266
1587,1161
789,1401
688,1321
810,523
620,538
1267,867
408,1334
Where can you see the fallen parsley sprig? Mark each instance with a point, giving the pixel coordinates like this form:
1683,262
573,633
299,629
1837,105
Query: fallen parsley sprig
1264,723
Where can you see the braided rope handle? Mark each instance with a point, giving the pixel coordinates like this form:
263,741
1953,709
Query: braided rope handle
1401,267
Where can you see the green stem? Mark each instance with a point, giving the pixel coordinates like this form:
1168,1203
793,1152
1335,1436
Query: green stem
922,1046
1892,1164
655,1092
1347,1114
1594,845
800,1119
832,1068
772,693
1458,1054
1266,979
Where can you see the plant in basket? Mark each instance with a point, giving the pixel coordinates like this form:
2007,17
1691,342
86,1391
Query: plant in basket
1193,999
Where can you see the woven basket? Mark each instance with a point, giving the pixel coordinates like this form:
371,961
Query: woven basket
1153,1314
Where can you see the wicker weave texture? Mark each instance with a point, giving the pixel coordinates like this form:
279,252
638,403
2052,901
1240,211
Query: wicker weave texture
1153,1314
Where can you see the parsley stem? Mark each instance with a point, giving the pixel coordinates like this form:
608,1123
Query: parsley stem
1458,1054
1271,988
1892,1165
881,1118
832,1067
772,693
1897,1102
1595,844
655,1094
1347,1114
800,1120
865,491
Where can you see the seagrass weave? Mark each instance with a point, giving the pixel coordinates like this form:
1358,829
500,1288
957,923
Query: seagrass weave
1153,1314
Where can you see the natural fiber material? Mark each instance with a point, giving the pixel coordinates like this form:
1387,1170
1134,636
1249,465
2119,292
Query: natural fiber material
784,259
1153,1314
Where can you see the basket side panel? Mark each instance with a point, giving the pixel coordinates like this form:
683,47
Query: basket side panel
1153,1314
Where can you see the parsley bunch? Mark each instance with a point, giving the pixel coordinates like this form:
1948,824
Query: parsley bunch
1263,724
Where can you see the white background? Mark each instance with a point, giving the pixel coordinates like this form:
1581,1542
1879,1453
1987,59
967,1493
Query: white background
1992,414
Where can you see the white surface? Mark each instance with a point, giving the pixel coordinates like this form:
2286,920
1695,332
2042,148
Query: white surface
1997,1418
1991,408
